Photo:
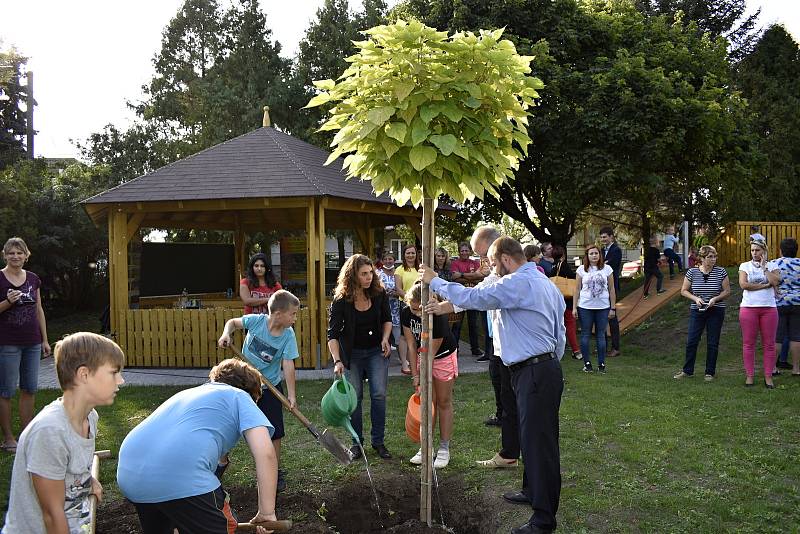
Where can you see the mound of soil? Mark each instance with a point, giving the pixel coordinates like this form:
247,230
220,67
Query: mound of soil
348,508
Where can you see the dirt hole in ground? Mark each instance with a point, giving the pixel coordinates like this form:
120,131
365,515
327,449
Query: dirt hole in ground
348,508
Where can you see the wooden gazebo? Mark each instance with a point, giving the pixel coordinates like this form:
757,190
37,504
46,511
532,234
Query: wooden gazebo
264,179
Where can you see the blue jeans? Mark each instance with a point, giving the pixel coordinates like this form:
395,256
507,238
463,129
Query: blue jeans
672,258
598,319
369,364
19,365
710,321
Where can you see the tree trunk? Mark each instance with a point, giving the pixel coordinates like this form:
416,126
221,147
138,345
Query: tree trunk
426,370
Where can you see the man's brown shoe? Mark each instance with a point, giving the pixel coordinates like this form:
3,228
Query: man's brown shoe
613,353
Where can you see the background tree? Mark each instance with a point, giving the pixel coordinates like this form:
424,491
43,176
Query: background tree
720,18
13,94
322,52
636,106
770,79
41,204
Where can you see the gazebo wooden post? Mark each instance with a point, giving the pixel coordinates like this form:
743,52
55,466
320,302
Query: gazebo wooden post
118,267
239,251
311,275
321,318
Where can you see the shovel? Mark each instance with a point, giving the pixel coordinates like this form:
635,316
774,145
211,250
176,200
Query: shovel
277,526
325,438
98,455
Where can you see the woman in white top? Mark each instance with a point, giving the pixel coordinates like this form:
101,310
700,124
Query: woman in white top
594,302
757,312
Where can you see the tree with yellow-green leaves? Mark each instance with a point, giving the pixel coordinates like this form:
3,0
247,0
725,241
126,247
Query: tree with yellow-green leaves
419,113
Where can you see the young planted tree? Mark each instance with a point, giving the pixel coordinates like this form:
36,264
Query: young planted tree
420,113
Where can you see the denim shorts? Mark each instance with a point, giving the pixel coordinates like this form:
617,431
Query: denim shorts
19,365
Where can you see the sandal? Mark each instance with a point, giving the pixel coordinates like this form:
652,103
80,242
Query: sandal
8,447
406,371
496,462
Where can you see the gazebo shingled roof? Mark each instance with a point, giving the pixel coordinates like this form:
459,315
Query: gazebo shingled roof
262,163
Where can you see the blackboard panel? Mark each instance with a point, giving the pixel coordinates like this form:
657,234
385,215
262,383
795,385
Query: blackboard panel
167,268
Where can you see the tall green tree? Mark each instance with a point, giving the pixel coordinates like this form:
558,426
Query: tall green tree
214,73
720,18
13,94
770,79
322,52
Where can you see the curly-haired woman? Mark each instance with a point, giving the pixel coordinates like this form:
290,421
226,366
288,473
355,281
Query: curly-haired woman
358,339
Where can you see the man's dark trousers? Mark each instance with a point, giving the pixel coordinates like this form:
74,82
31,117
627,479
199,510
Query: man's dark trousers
538,390
509,432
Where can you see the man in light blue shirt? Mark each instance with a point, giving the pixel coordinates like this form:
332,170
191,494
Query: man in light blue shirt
532,336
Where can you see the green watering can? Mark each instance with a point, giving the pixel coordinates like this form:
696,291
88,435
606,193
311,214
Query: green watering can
338,403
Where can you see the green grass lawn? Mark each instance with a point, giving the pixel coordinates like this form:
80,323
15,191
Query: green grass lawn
640,452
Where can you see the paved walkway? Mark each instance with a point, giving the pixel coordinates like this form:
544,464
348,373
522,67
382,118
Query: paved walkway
137,376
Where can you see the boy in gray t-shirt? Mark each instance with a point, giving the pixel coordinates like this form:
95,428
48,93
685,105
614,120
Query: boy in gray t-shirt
51,480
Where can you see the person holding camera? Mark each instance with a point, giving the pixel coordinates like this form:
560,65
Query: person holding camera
706,286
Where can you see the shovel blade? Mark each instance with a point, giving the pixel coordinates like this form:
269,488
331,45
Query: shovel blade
335,447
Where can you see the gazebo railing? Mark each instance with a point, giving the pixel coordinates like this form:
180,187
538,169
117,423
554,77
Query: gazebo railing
188,338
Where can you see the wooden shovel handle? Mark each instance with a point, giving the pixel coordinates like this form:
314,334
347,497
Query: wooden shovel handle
93,498
279,526
294,411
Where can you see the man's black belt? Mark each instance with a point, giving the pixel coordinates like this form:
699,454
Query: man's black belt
546,357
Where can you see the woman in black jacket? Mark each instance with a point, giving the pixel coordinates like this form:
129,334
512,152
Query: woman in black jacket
359,328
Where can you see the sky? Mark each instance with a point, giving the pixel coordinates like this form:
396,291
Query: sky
89,57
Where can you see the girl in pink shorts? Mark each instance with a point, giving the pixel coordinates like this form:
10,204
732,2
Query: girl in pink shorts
444,348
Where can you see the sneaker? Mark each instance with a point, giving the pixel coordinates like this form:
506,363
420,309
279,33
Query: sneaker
442,458
646,296
417,458
681,375
708,378
661,291
355,450
482,358
576,355
477,352
587,368
601,368
613,354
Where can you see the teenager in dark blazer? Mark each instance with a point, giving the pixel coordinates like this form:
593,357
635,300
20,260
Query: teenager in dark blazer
612,256
359,329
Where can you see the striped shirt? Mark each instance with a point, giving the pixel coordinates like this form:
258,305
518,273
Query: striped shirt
706,286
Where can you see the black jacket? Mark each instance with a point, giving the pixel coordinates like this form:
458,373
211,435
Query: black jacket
613,258
342,323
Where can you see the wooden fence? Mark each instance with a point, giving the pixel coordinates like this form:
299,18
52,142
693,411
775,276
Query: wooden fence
188,338
733,245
